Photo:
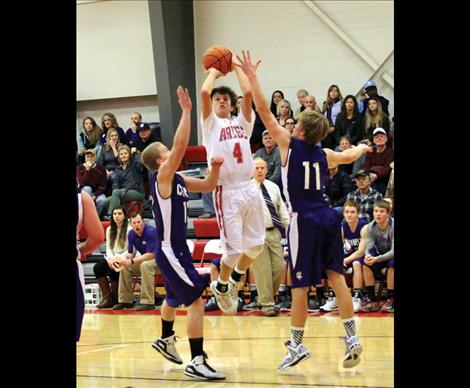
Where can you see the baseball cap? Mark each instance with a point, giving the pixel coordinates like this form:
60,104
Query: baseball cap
370,84
378,130
90,151
143,127
361,173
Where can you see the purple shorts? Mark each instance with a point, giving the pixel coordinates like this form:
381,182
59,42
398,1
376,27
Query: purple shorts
183,284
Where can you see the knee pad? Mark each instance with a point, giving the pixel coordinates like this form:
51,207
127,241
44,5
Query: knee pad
253,252
230,260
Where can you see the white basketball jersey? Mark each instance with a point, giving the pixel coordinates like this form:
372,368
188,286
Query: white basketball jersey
229,138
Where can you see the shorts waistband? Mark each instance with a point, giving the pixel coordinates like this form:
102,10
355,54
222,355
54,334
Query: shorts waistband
236,185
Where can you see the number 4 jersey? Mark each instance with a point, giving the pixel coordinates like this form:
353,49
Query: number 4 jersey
304,176
229,138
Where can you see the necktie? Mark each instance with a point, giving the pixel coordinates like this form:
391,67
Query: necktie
272,209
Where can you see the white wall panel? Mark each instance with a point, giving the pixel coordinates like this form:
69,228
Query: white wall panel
114,50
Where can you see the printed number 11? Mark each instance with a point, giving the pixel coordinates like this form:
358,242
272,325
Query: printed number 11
316,166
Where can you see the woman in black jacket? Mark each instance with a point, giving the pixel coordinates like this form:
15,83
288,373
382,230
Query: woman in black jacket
128,181
348,121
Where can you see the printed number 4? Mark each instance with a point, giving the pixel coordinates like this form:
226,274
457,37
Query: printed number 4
316,166
237,152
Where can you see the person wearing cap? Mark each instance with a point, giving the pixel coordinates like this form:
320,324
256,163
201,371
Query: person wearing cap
270,154
365,195
146,137
91,178
378,161
370,90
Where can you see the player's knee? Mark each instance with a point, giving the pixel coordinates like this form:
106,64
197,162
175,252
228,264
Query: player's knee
253,252
356,265
230,260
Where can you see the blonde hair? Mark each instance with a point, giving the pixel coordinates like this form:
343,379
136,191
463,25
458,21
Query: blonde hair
377,119
150,155
284,102
108,137
315,125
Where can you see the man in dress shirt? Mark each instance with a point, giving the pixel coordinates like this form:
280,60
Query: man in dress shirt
268,266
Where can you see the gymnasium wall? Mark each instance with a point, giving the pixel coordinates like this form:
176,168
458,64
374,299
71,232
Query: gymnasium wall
303,44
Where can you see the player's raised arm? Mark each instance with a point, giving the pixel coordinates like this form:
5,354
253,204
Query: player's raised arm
280,135
180,141
348,156
245,88
209,183
206,89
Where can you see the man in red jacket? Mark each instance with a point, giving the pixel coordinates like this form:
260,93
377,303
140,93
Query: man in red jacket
92,179
378,161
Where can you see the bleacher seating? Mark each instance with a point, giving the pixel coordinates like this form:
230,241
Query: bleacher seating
206,228
194,157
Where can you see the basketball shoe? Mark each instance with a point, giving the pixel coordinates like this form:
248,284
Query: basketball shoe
295,354
199,369
166,347
225,300
353,352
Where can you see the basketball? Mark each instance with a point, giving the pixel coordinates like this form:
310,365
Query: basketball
218,57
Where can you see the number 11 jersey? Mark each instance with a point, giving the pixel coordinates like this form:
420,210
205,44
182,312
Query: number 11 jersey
229,138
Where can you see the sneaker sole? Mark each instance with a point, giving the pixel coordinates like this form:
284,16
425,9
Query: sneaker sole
198,377
356,354
301,358
166,355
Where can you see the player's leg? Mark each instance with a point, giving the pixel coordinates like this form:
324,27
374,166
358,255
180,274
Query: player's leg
371,305
346,312
198,368
301,253
389,305
358,284
211,304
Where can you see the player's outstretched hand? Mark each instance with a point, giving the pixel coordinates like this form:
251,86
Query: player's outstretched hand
365,147
183,98
246,65
217,161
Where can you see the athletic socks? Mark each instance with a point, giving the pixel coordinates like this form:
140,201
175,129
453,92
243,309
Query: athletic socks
196,347
297,334
167,328
371,293
237,274
357,293
390,294
350,327
320,294
331,293
222,285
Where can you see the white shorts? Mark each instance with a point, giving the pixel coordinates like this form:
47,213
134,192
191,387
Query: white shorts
240,216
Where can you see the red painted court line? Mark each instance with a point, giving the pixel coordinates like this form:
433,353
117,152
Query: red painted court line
217,313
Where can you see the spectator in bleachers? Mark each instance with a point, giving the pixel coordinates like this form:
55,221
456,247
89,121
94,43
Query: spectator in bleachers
331,108
239,104
116,248
338,187
146,137
290,124
109,121
277,96
353,232
379,255
345,144
108,155
270,154
374,118
132,135
301,94
92,178
284,111
389,194
348,121
310,102
378,161
269,265
128,181
142,239
365,195
88,138
369,91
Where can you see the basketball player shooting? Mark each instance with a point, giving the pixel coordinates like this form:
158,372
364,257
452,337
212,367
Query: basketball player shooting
238,206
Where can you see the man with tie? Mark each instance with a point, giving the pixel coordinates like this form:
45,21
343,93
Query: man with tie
268,267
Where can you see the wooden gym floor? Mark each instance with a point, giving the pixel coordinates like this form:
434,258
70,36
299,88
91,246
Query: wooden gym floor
115,351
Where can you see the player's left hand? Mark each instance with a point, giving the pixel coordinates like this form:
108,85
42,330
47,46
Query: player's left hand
183,98
217,161
370,260
246,65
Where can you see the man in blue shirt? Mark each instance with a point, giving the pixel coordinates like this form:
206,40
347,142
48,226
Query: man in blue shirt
142,239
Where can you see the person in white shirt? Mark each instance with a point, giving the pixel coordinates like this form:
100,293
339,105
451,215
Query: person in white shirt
237,204
269,265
